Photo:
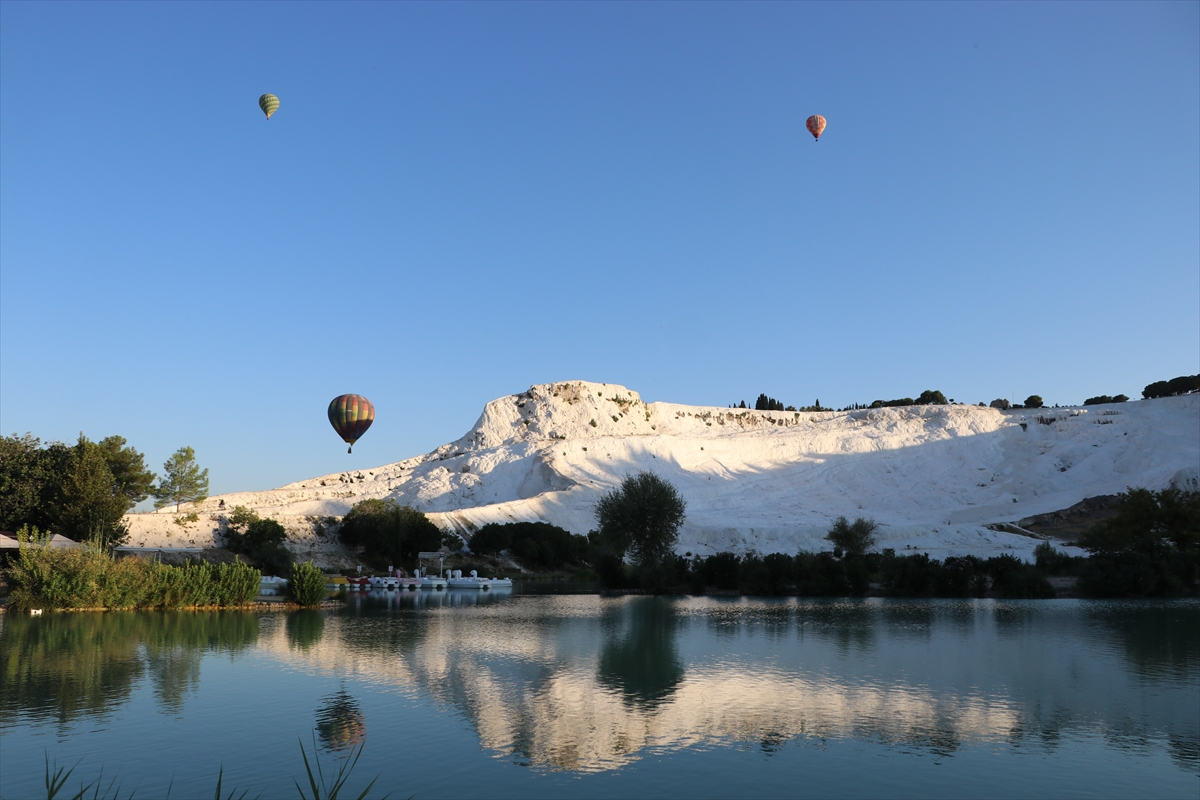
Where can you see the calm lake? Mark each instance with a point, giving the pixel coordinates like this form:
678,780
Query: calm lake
455,694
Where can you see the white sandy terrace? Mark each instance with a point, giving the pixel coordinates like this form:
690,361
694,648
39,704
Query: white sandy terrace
932,476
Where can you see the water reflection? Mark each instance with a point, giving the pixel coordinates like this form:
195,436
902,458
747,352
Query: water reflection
341,725
640,659
305,628
58,667
584,683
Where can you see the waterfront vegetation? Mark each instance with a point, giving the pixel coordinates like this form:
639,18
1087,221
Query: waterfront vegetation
90,578
322,787
1150,548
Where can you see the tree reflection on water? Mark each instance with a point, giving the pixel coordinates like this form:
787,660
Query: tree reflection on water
642,662
58,667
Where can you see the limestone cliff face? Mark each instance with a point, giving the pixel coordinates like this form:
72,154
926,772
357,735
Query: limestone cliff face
932,476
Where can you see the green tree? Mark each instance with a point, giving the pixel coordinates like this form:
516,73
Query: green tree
1033,401
641,517
389,532
262,541
852,538
184,481
81,492
24,475
131,479
931,397
90,507
1151,546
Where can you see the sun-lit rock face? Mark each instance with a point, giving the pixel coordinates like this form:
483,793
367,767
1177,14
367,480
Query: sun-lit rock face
933,477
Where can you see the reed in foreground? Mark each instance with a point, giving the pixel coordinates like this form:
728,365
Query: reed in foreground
321,786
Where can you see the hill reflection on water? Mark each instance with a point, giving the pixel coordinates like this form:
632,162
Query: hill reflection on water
583,683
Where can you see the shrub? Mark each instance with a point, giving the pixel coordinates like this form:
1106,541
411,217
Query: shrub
539,543
915,575
931,397
388,532
1184,384
1033,401
1001,404
903,401
307,584
719,570
820,575
1052,561
262,542
852,538
90,578
1013,578
1103,398
1150,547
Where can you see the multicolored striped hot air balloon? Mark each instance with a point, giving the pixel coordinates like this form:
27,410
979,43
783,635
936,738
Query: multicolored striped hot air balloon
815,125
351,415
269,104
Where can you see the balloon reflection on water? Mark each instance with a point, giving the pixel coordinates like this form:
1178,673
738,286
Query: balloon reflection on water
341,725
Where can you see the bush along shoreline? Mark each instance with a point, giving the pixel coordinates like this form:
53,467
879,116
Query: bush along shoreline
90,578
1149,548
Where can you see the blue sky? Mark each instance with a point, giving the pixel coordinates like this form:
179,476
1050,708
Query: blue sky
456,201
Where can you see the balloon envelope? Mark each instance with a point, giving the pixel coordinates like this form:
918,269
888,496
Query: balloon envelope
815,125
351,415
269,104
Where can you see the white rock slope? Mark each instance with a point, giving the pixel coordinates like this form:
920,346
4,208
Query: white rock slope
932,476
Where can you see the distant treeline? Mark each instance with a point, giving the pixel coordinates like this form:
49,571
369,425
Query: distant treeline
1150,548
1185,384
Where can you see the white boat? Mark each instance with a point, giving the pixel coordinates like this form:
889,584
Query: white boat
384,582
431,581
270,584
473,581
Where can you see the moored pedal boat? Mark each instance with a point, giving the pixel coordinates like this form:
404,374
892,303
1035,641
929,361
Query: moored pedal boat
473,581
431,581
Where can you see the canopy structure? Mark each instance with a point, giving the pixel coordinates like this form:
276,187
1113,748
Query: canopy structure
8,540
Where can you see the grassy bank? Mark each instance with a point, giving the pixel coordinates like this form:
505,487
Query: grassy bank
89,578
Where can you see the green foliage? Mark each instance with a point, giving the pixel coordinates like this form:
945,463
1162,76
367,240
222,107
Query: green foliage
1033,401
642,517
328,789
1184,384
903,401
764,403
388,532
537,543
852,538
81,492
307,584
1103,398
88,577
931,397
262,542
1053,562
183,481
1013,578
1150,547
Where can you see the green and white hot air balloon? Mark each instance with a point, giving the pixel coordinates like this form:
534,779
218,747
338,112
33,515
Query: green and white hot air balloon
269,104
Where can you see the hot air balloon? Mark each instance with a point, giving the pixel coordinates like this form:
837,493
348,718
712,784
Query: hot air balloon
816,126
351,415
269,104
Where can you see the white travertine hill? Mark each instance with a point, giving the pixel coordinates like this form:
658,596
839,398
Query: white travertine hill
933,477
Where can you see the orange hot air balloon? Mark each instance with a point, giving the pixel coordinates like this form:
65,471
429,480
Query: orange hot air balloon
816,126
